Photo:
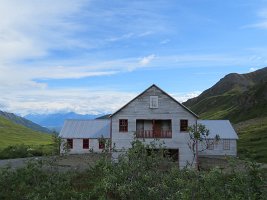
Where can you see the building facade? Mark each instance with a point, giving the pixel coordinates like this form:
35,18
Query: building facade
153,114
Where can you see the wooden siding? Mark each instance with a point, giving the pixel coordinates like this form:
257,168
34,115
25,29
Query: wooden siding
167,109
78,146
219,151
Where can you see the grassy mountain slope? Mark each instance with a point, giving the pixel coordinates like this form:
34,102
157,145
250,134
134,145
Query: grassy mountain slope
13,134
24,122
241,98
253,139
237,97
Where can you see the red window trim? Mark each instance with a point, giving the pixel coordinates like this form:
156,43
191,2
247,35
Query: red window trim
85,143
70,143
123,125
183,125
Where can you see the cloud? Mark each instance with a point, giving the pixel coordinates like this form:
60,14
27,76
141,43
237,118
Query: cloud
146,60
182,97
79,100
165,41
252,69
262,22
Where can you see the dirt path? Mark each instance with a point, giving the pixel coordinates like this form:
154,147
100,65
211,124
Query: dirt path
79,162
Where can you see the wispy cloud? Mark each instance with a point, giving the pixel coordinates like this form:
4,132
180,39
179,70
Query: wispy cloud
262,21
146,60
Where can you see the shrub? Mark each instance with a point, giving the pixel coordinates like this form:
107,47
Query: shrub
136,175
20,151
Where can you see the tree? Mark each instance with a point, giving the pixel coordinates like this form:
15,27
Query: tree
198,134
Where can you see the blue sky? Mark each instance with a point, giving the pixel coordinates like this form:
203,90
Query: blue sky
93,56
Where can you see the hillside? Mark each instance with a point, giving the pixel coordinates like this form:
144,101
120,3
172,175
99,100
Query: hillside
237,97
12,134
253,139
24,122
241,98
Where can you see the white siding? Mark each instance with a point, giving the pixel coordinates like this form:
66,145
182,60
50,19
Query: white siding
219,150
78,146
167,109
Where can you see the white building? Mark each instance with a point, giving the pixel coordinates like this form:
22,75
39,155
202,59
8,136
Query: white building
152,114
226,145
84,136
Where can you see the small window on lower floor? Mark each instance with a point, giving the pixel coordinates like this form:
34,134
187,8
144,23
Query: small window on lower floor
85,143
226,144
70,143
210,144
101,144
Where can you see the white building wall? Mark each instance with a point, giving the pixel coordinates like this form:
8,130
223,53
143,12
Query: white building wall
167,109
78,146
219,150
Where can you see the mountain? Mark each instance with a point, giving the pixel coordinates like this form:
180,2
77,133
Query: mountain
237,97
24,122
56,120
241,98
12,134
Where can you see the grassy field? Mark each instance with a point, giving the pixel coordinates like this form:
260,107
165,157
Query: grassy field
14,134
253,139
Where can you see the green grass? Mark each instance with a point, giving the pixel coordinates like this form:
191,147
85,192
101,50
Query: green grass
252,140
13,134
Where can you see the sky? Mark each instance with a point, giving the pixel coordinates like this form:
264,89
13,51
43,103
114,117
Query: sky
93,56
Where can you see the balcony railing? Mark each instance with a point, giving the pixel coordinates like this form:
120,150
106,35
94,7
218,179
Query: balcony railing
153,134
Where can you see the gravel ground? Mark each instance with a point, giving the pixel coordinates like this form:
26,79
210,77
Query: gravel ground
78,162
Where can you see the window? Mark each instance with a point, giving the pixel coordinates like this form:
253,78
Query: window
154,102
86,143
70,143
183,124
210,144
123,125
101,144
226,144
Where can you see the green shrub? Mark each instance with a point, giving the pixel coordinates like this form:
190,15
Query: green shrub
136,175
20,151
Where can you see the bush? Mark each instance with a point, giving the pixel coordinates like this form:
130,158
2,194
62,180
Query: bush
137,175
20,151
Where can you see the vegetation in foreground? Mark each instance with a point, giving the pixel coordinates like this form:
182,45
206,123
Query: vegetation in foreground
136,175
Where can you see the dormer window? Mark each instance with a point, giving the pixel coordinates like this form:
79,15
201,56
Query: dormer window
154,102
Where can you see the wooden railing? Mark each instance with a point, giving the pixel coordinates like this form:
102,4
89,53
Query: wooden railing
153,134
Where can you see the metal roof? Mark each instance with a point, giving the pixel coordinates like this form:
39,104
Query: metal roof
85,129
223,128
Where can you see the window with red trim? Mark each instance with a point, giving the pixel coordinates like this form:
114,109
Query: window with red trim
123,125
183,125
86,143
70,143
101,144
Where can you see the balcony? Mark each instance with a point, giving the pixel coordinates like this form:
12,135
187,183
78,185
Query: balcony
153,128
153,134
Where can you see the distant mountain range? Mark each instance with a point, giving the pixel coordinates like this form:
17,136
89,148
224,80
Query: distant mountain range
241,98
55,121
24,122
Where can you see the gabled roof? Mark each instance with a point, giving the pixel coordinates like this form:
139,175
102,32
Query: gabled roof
163,93
223,128
85,129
